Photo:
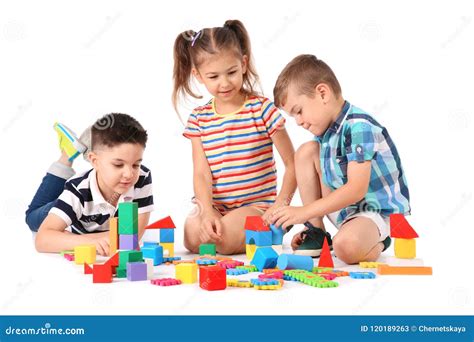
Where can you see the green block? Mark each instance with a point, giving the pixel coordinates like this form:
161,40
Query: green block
207,249
121,272
128,218
129,256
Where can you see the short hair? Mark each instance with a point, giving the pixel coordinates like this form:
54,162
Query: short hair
306,72
115,129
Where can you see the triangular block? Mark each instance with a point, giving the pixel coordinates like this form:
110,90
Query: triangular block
325,259
400,228
256,223
87,268
166,222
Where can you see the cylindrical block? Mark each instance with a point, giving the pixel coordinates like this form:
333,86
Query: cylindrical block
291,262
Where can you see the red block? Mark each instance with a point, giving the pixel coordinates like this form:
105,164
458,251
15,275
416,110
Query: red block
256,223
212,278
87,268
325,259
102,274
400,228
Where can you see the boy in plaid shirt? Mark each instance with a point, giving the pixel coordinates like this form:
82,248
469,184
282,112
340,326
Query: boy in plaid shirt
350,172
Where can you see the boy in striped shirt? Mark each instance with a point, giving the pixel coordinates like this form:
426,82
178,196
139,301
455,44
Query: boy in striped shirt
350,172
66,212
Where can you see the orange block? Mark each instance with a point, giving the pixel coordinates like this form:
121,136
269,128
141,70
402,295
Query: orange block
404,270
113,235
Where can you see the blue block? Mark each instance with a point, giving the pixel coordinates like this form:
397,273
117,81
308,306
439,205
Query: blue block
150,243
264,257
261,282
362,275
154,252
166,235
258,238
277,235
295,262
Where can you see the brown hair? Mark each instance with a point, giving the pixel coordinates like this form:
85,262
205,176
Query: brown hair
189,49
306,71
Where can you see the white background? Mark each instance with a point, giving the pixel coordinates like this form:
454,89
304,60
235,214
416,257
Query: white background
408,63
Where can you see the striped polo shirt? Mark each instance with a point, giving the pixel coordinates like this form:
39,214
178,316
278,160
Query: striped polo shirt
83,208
239,150
356,136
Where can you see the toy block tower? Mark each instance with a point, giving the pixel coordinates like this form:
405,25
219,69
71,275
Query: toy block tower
257,234
404,236
128,225
166,227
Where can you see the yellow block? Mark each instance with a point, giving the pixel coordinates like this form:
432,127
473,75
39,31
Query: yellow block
168,246
113,235
405,248
250,251
84,253
187,273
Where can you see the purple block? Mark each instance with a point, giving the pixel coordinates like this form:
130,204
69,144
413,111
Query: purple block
136,271
128,241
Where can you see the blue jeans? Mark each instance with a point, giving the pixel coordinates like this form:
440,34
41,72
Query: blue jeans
48,192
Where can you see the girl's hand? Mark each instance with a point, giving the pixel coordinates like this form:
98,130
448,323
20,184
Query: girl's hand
268,215
101,242
211,227
286,216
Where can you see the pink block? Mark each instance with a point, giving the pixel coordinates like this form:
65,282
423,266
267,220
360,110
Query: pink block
165,281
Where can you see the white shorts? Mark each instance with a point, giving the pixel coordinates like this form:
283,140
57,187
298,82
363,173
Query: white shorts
382,222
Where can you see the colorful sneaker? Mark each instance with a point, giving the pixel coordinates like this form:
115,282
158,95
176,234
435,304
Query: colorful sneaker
68,142
313,239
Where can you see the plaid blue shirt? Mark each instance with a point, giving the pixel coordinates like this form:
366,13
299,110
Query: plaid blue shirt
356,136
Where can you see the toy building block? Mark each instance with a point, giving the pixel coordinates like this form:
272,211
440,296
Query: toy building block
265,257
122,272
68,257
205,262
128,218
238,283
171,259
257,232
273,275
369,264
113,262
167,235
250,268
212,278
250,251
236,271
277,235
362,275
136,271
266,284
87,268
164,223
207,249
187,273
154,252
404,270
168,247
229,263
129,256
149,267
84,253
102,274
113,235
69,251
293,261
325,259
128,241
165,281
404,236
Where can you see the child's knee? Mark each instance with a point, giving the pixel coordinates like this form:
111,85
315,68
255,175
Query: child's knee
347,248
309,150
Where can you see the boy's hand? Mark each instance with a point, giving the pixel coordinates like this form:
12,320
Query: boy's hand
287,216
101,242
211,227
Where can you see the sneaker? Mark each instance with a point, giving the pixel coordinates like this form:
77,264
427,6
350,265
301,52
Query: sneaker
68,141
386,243
313,239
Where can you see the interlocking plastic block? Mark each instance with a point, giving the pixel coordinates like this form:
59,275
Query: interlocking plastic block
404,270
212,278
259,238
238,283
165,281
292,261
102,274
265,257
129,256
121,272
322,269
250,268
230,264
69,257
236,272
277,235
274,275
250,251
169,246
171,259
207,249
261,282
164,223
128,242
325,259
128,218
267,287
369,264
405,248
340,273
328,276
87,268
136,271
206,261
69,251
113,235
362,275
154,252
187,273
167,235
271,270
84,253
310,278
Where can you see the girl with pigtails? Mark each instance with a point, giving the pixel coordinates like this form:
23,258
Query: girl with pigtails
232,137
